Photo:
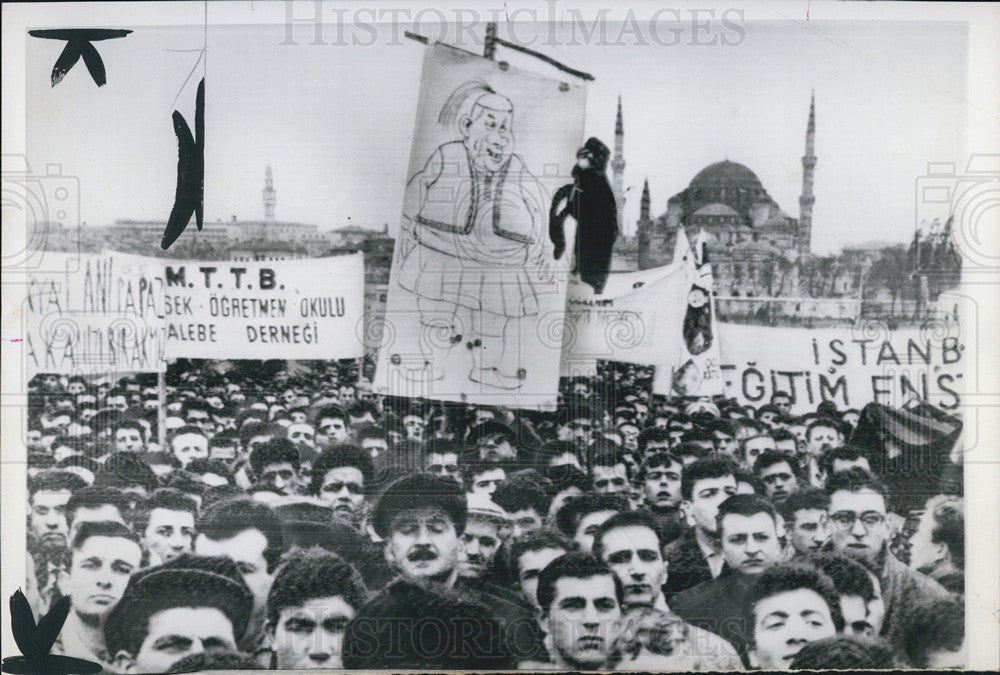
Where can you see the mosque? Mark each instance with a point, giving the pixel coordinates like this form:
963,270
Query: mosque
750,236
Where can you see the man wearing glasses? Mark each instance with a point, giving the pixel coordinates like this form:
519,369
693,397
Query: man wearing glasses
860,529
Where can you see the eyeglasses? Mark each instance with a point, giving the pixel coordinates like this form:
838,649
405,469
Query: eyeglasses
869,519
336,486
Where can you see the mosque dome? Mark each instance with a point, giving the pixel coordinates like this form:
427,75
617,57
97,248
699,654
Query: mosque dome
726,174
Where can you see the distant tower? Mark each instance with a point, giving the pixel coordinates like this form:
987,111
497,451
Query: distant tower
807,199
644,203
618,166
270,197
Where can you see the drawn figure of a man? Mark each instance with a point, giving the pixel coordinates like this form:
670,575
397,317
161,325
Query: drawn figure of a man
473,250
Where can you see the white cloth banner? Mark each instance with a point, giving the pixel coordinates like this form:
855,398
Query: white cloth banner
474,286
636,320
849,366
99,314
286,309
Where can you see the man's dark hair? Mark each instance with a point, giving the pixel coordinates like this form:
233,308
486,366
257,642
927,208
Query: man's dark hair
53,480
659,459
538,540
855,479
652,435
783,435
948,515
574,509
275,451
787,577
698,434
824,422
849,577
185,481
125,470
226,519
784,394
314,573
574,565
360,408
203,465
131,424
807,498
193,404
603,452
102,528
169,499
363,433
767,408
930,625
689,449
713,466
844,652
519,492
846,452
471,467
744,476
331,411
215,659
745,505
769,458
566,476
96,496
338,456
622,520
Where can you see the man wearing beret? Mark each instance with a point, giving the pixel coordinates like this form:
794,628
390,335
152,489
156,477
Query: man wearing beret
422,518
188,605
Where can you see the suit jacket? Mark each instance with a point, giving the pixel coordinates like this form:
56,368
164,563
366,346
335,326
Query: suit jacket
687,566
718,607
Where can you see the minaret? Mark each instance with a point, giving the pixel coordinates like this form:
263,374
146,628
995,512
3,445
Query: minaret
644,202
807,199
270,197
618,166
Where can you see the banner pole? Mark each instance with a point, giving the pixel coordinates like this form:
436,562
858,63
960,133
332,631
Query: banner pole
161,409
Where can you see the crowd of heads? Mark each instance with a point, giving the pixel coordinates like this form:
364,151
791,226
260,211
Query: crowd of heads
259,518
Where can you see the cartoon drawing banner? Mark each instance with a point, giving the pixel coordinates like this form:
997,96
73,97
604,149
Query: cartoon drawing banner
98,314
474,285
287,309
849,366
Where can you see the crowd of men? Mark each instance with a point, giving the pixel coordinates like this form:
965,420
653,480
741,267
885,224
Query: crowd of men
298,522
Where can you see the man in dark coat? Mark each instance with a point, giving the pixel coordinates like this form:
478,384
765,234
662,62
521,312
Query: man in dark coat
592,204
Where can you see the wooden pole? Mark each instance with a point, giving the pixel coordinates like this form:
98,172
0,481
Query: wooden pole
161,410
490,44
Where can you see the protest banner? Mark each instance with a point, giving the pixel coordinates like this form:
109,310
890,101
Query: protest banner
474,282
638,318
287,309
94,314
849,366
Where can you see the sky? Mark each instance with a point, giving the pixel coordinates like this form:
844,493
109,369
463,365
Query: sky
335,121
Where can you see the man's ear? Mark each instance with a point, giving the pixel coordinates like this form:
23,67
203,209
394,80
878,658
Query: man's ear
464,124
389,557
124,662
779,525
543,621
752,658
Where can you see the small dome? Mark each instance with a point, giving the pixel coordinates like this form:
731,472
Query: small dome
728,175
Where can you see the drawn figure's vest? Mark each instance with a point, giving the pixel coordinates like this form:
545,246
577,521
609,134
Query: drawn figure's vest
461,199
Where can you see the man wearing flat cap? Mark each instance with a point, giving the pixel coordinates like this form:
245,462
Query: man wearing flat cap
494,441
185,606
422,519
